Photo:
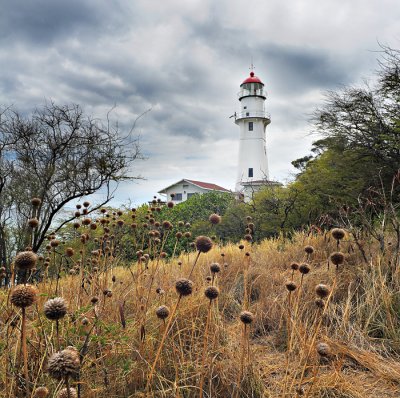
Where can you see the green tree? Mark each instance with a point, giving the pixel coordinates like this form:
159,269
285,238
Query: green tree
360,146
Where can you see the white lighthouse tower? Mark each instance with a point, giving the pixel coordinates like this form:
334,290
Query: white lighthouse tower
252,120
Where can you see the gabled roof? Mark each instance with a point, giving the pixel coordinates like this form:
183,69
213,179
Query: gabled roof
207,185
201,184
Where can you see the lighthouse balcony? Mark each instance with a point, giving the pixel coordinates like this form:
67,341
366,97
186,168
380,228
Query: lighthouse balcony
250,114
244,92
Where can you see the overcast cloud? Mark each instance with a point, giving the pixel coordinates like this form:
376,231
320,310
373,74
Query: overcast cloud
185,60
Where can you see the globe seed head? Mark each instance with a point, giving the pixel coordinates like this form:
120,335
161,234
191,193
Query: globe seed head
162,312
323,349
215,219
41,392
304,268
322,290
338,233
211,292
337,258
203,244
36,202
291,286
246,317
294,266
309,249
25,260
184,287
63,393
55,308
65,363
24,296
215,268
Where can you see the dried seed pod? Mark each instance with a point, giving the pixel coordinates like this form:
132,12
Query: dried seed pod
248,237
203,244
337,258
33,222
215,219
322,290
36,202
69,252
304,268
323,349
184,287
211,292
215,268
246,317
55,308
64,364
291,286
309,249
338,233
63,393
25,260
41,392
23,296
162,312
294,266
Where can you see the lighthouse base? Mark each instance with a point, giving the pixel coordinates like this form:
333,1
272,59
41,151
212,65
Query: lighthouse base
246,190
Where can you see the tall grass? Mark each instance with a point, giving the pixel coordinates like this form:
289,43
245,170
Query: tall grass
125,351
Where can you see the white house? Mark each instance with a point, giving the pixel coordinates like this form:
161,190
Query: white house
184,189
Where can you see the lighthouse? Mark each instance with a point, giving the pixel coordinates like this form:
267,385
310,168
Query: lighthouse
252,121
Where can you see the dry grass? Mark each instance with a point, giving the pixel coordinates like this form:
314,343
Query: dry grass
118,346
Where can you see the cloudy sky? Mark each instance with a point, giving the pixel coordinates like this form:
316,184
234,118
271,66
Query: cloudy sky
185,60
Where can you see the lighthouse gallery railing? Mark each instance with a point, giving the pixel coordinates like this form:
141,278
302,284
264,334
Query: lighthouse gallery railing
245,114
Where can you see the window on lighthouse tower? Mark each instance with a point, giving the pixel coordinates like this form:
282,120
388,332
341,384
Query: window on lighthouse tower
250,126
250,172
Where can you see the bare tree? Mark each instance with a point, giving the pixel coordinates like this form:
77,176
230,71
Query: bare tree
57,155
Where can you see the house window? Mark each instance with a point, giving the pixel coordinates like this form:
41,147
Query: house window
189,195
247,113
185,186
250,172
177,197
250,126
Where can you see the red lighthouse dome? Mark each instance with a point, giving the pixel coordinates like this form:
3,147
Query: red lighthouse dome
252,79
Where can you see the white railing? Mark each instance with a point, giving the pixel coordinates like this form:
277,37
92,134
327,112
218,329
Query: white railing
245,114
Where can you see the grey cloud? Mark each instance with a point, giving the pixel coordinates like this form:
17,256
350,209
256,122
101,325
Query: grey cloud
42,22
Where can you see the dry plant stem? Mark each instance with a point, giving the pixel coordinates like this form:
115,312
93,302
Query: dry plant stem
314,377
205,341
289,340
176,244
58,334
314,335
67,387
242,357
296,307
24,350
194,264
245,278
160,347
